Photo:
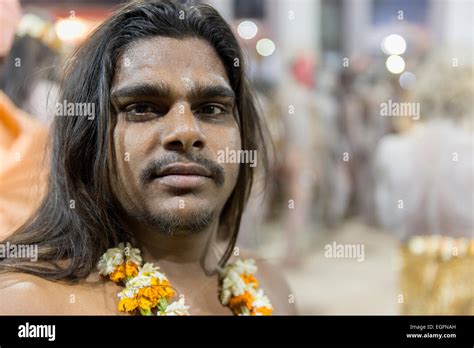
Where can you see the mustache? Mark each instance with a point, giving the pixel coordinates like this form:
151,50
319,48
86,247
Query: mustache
148,174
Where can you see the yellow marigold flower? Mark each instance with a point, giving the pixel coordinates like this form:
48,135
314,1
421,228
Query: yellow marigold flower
151,294
244,300
249,279
144,303
131,269
147,292
127,305
164,289
156,292
262,311
119,274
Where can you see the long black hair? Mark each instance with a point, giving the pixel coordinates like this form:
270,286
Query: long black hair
79,217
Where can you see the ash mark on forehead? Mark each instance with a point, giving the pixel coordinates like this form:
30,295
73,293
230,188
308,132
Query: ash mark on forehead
188,83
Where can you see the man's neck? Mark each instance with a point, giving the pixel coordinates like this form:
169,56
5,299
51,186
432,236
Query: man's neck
176,254
180,257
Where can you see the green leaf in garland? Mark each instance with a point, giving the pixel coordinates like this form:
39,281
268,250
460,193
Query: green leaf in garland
162,304
145,311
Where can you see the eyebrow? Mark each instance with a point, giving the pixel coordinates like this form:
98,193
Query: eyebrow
143,90
202,91
162,90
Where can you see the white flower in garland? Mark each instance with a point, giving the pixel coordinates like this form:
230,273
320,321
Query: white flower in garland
176,308
114,257
260,299
226,291
128,292
240,267
145,276
132,254
110,261
149,269
239,289
232,285
140,281
238,286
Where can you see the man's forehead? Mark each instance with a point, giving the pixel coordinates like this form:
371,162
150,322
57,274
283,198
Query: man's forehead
179,63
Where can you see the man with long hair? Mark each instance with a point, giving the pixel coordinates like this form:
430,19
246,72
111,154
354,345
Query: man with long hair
156,93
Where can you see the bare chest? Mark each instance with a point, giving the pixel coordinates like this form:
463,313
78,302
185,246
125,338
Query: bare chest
103,300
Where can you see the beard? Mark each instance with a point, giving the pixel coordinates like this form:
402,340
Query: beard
172,223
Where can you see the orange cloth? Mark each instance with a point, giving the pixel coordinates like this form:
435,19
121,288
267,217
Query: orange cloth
23,165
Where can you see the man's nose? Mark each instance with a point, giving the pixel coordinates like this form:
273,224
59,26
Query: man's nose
183,132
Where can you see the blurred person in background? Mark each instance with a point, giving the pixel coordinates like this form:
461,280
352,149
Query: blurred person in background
301,137
424,189
29,76
432,173
360,94
333,192
22,141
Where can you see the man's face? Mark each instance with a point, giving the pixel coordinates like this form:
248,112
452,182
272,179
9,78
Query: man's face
175,110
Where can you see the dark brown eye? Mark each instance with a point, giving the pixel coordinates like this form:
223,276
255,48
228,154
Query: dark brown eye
140,109
211,110
143,112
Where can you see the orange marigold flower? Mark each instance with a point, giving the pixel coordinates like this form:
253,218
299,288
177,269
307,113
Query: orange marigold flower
151,294
244,300
147,292
156,292
145,303
119,274
131,269
164,289
262,311
127,305
249,279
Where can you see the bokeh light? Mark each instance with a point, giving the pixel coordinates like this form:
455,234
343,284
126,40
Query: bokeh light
265,47
71,30
395,64
407,80
247,30
394,44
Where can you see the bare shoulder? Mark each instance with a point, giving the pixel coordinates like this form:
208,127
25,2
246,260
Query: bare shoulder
30,295
273,282
26,294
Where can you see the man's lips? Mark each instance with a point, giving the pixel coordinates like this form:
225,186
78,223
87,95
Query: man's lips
183,176
184,169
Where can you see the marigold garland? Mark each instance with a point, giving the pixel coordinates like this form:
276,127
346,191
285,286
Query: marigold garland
148,292
240,289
